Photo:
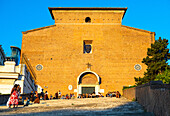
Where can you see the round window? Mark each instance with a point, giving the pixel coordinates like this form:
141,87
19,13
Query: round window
87,19
138,67
39,67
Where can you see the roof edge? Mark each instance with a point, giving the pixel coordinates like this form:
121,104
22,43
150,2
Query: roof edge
85,8
15,47
139,29
25,32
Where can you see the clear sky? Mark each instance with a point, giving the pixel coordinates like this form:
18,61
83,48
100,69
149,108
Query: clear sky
22,15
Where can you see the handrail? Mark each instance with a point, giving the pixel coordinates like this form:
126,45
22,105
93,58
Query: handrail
27,63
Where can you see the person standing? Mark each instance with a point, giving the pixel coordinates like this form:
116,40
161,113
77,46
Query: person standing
37,100
46,96
70,96
59,94
42,94
51,97
13,97
19,91
31,96
56,95
7,104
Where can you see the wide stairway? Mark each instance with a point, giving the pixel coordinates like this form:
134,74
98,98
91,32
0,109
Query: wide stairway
81,107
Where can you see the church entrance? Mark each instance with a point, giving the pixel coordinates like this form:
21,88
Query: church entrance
88,82
88,90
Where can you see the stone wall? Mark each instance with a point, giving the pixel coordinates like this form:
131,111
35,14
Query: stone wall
155,97
4,98
130,93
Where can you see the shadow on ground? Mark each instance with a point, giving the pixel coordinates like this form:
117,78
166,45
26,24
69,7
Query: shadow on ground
128,109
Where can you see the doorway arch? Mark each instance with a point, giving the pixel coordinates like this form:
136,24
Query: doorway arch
88,79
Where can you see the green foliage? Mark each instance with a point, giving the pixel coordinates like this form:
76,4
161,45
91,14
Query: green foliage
156,59
164,77
127,87
139,80
133,99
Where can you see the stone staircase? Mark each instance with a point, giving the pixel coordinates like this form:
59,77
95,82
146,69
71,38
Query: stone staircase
81,107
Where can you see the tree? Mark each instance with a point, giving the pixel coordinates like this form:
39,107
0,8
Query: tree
164,77
156,61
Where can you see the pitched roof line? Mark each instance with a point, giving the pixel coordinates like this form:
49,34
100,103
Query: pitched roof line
25,32
138,29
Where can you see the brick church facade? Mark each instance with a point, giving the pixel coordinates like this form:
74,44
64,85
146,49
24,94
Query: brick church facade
86,49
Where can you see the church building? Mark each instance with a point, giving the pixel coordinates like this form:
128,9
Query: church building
86,50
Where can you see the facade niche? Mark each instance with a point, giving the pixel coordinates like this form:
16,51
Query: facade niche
87,46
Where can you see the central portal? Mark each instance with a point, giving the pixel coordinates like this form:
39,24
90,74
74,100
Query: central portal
88,82
88,90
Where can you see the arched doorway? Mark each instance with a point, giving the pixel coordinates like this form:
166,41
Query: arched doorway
88,82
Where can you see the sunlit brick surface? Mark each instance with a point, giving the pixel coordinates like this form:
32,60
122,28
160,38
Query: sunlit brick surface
59,48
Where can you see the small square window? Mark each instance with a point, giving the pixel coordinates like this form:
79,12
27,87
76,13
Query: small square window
87,46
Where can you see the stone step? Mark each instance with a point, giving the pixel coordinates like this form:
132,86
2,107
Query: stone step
79,107
86,113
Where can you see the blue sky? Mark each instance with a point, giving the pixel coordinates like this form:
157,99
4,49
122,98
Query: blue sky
22,15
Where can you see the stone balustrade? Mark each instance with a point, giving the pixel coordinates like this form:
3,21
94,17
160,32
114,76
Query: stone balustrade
154,96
